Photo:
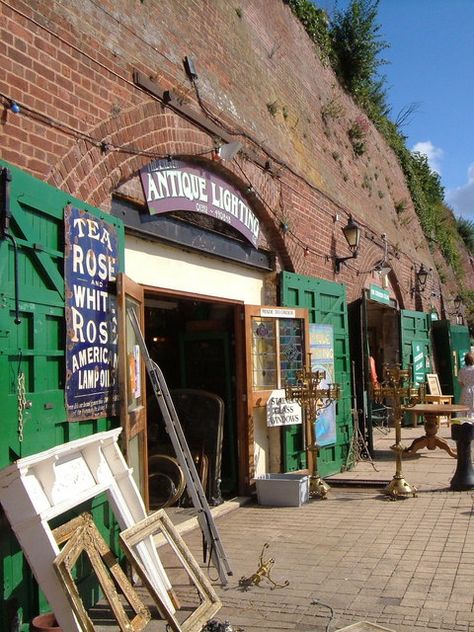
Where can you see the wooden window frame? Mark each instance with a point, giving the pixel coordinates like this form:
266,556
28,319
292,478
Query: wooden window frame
259,397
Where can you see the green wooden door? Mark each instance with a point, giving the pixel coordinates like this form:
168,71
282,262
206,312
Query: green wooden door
32,363
460,345
451,343
326,303
415,336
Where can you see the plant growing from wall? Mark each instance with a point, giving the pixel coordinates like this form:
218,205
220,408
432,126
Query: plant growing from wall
466,230
400,206
331,110
355,53
315,22
357,133
272,107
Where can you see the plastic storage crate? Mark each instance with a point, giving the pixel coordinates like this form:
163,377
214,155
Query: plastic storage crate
282,490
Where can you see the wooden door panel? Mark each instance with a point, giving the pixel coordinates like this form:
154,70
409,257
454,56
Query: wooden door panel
133,382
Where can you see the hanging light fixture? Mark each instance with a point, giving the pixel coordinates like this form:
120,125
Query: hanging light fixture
457,303
228,151
352,234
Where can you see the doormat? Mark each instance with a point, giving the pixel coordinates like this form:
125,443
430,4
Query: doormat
364,626
354,482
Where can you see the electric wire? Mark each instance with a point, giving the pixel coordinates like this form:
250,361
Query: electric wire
67,129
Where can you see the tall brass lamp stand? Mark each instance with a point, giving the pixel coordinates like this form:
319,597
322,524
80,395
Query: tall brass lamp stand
397,388
313,400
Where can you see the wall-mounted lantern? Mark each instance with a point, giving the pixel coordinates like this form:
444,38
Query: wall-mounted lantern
422,277
352,234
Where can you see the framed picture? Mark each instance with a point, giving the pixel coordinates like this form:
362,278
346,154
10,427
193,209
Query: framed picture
434,387
160,527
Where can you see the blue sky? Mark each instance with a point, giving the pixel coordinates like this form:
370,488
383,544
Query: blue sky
431,64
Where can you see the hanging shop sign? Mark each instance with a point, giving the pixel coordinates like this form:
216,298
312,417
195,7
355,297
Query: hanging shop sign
379,294
281,412
418,353
321,339
90,269
174,185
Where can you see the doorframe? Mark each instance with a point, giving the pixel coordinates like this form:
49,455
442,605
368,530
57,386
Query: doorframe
127,287
240,389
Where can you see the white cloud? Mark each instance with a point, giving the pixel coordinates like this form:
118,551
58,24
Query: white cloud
434,154
462,198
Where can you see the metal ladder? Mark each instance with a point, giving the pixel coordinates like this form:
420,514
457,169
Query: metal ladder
211,540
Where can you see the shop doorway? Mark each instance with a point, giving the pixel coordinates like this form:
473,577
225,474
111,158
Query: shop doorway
383,335
375,341
193,341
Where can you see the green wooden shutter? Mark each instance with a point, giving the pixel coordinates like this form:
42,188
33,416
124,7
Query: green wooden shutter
35,347
415,327
326,303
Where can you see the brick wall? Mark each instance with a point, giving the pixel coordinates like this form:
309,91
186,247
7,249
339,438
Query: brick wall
69,65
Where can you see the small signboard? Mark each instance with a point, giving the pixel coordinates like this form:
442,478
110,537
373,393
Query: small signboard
277,312
90,269
281,412
174,185
379,294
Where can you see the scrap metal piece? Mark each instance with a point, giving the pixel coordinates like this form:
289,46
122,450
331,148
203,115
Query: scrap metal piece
263,572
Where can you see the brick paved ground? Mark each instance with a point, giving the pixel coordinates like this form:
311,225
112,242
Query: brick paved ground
404,565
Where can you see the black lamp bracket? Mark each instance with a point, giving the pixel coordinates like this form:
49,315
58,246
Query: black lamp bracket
5,213
340,260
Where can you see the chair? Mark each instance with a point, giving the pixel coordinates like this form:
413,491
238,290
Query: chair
381,417
380,414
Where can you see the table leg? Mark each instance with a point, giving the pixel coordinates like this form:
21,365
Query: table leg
430,440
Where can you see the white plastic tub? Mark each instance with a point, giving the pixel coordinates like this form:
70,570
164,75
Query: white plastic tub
282,490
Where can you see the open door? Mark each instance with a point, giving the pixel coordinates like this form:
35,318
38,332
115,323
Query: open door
133,384
277,344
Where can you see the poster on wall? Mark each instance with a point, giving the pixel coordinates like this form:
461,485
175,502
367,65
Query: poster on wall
90,271
321,339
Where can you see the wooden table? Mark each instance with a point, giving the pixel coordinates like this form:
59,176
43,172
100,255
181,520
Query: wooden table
438,399
432,413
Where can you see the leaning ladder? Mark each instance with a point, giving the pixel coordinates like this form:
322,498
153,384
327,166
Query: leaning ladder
211,540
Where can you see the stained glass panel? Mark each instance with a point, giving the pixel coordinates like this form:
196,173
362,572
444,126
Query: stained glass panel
291,348
264,354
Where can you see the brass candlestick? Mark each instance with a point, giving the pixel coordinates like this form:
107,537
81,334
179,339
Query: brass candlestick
313,400
396,387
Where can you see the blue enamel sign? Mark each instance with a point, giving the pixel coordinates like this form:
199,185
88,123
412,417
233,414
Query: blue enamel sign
90,270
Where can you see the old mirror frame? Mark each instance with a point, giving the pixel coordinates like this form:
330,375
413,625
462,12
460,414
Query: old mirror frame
158,523
38,488
82,536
